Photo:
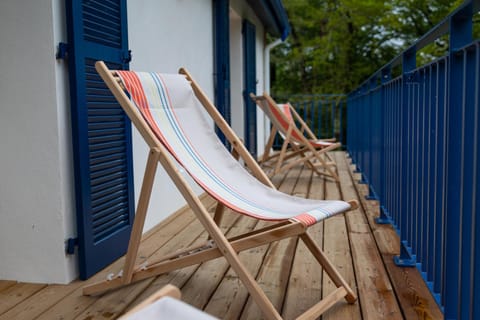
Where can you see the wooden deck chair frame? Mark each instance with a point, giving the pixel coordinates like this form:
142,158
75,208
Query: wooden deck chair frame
300,148
228,248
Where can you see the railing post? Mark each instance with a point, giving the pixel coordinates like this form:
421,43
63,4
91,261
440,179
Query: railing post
373,83
406,258
361,113
460,35
384,217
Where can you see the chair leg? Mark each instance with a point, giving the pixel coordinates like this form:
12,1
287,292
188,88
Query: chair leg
138,223
218,215
219,210
269,145
328,267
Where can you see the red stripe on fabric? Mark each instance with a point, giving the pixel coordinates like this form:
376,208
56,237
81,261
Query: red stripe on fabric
286,111
320,144
306,218
276,113
134,87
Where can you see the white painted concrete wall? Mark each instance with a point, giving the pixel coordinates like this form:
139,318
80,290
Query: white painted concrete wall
36,190
239,11
164,36
237,106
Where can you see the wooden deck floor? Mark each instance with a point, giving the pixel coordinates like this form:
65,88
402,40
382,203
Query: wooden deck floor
361,250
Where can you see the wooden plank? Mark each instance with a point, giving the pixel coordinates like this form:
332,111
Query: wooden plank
275,270
413,295
336,246
376,295
39,302
4,284
273,276
75,303
13,295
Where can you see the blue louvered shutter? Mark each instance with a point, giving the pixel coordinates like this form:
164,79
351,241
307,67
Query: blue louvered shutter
102,146
250,86
221,28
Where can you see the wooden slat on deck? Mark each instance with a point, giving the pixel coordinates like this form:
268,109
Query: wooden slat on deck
361,250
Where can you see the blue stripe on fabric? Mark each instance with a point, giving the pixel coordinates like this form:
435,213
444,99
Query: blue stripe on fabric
162,91
176,127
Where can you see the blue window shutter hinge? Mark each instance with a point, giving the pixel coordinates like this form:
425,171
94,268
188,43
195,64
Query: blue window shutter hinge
127,56
71,244
62,51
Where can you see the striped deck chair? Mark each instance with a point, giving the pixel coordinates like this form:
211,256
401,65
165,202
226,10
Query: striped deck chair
169,112
301,144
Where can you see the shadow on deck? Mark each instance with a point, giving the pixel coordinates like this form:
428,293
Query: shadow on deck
360,249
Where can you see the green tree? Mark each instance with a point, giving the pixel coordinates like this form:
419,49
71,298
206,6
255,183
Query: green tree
337,44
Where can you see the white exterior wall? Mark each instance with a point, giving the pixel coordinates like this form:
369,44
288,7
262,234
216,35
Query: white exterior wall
237,106
238,11
36,189
164,36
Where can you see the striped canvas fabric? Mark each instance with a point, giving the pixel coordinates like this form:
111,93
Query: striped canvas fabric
171,109
282,122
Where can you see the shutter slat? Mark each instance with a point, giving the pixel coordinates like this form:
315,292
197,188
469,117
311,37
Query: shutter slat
110,225
112,147
105,135
112,176
106,171
99,189
108,192
102,233
109,208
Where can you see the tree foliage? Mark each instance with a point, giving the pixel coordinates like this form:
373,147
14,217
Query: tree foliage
337,44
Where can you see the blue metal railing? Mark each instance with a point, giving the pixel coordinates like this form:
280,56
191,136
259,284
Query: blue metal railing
415,139
324,114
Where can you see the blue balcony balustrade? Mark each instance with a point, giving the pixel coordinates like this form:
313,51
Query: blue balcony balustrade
415,139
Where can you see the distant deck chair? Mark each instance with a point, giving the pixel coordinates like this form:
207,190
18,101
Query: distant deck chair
301,144
169,112
165,304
